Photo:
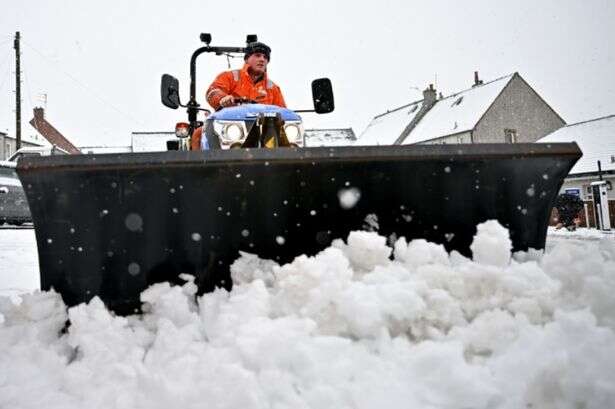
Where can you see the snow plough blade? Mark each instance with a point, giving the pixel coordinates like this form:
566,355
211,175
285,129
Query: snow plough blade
111,225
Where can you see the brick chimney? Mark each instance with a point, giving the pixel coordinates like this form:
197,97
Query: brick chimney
50,133
430,97
39,114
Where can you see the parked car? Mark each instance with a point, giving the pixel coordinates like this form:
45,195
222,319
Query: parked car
36,151
13,204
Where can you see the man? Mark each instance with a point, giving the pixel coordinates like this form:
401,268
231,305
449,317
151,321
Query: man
251,82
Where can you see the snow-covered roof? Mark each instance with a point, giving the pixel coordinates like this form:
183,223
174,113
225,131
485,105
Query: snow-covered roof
104,149
384,129
457,113
34,140
454,114
151,141
595,137
329,137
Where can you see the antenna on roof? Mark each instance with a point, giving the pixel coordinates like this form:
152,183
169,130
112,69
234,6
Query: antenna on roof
477,81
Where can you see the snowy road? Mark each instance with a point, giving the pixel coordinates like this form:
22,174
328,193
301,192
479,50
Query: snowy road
19,263
18,260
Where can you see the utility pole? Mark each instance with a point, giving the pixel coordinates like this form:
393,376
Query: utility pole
17,92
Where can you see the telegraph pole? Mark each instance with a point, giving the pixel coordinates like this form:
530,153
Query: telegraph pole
17,92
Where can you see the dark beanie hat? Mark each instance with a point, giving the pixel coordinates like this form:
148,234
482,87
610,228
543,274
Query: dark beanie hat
257,47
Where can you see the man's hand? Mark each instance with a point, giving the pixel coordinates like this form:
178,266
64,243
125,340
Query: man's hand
227,101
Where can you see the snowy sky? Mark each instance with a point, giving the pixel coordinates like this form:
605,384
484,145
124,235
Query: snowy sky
100,62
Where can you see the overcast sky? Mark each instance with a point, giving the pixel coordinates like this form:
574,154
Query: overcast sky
100,62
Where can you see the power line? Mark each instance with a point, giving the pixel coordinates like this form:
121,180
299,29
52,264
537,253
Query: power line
85,87
27,82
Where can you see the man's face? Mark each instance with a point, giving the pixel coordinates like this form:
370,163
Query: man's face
257,63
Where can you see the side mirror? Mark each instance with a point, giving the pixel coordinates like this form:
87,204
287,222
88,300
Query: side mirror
322,95
169,91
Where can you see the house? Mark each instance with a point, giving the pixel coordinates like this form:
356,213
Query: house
55,137
596,139
8,144
151,141
505,110
329,137
104,149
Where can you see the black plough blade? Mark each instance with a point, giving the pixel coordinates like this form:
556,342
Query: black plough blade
111,225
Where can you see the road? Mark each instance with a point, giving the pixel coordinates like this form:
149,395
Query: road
18,260
19,271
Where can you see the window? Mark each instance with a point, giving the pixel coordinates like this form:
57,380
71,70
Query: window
7,150
457,101
510,135
588,192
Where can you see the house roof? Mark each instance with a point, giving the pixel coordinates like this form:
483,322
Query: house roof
55,137
454,114
329,137
151,141
30,139
105,149
596,139
458,112
384,129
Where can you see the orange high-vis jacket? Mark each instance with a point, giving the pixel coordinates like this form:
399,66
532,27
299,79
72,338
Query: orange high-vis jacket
239,84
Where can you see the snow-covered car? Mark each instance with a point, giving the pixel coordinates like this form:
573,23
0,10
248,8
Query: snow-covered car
13,204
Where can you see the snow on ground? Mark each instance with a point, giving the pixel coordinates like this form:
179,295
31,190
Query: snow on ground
349,328
18,260
579,234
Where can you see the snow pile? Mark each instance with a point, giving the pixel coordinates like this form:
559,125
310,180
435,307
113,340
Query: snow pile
581,233
360,325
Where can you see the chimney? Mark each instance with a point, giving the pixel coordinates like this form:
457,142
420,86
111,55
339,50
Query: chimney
39,114
477,81
429,96
429,100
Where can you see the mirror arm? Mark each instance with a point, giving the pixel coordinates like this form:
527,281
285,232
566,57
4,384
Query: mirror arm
206,49
180,103
193,106
303,110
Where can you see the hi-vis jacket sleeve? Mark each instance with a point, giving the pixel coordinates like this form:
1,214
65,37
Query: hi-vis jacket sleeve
278,99
221,87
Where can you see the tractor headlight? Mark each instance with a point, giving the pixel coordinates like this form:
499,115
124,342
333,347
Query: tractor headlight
230,133
294,132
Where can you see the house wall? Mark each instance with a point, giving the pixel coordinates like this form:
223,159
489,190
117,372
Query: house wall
520,108
465,137
583,185
8,144
586,218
